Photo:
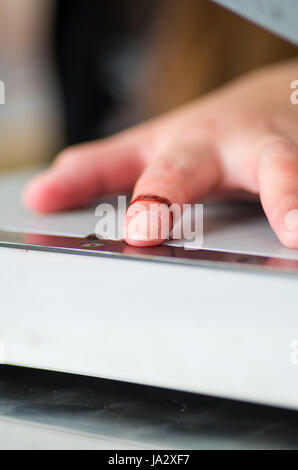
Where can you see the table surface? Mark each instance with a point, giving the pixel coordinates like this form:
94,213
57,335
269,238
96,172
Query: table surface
238,228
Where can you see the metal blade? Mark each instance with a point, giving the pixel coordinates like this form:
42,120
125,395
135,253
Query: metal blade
92,246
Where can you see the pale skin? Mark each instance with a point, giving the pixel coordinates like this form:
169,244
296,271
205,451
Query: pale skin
240,139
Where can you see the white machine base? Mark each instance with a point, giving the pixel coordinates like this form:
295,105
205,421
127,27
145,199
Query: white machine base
224,333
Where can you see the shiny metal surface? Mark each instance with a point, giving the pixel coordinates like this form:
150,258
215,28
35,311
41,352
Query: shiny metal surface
165,253
279,16
54,410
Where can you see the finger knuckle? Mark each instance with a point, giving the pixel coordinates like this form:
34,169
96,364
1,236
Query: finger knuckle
179,168
278,147
66,156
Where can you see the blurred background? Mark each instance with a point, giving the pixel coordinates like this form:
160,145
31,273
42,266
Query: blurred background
76,70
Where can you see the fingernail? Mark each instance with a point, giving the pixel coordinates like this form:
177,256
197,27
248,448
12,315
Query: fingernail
146,223
291,220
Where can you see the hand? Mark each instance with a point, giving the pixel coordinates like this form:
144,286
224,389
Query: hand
241,138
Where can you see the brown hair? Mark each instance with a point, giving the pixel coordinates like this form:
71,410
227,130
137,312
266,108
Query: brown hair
198,45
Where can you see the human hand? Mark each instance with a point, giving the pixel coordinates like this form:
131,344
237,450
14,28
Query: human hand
241,138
